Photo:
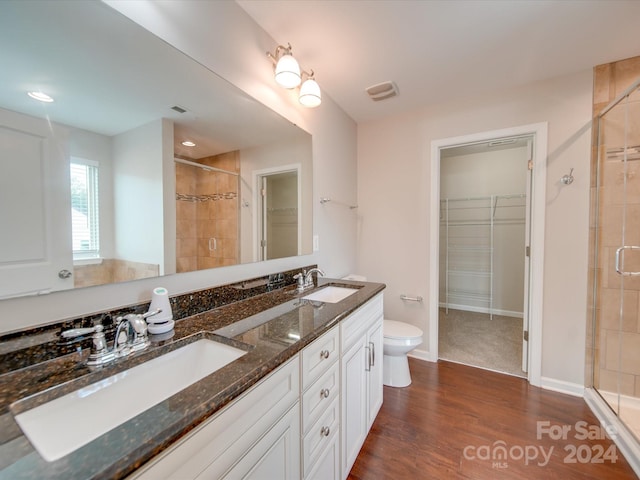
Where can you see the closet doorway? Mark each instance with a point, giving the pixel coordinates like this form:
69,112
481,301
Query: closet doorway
483,220
484,271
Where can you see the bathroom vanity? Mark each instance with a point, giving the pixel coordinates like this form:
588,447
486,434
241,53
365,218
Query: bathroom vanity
297,403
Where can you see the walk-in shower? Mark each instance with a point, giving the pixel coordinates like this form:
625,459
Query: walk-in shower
615,246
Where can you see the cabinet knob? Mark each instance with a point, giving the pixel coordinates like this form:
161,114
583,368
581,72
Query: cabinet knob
324,393
325,431
324,354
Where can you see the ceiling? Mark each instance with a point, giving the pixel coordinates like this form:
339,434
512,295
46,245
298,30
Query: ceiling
110,84
439,49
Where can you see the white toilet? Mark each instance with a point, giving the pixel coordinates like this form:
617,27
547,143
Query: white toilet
399,339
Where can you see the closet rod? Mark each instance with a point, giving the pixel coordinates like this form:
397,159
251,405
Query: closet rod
487,197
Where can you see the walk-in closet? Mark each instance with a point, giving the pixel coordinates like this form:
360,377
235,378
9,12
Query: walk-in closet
483,228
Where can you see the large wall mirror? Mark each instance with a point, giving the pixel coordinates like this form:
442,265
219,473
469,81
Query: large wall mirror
144,164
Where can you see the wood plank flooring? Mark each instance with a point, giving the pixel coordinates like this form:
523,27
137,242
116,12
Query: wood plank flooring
450,421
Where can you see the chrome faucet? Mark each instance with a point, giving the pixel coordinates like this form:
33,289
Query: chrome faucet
100,352
136,338
305,279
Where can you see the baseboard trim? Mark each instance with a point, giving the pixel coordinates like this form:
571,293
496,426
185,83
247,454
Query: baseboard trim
422,355
569,388
624,440
470,308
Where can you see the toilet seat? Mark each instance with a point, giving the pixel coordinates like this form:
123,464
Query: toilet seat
394,330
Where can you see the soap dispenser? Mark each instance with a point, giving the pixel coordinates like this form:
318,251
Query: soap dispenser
162,322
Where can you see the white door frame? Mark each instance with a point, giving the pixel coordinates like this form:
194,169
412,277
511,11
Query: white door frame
538,203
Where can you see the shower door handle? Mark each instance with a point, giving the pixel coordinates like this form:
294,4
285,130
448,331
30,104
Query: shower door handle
619,252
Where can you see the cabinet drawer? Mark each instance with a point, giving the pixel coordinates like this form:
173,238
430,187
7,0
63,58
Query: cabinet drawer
319,356
218,443
320,395
354,327
320,436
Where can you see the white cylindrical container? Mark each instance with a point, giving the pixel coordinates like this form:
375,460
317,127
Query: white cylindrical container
160,300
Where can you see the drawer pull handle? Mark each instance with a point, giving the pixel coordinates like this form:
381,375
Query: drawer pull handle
324,354
324,393
373,354
325,431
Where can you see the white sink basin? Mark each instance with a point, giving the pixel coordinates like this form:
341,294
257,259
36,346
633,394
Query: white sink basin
331,294
59,427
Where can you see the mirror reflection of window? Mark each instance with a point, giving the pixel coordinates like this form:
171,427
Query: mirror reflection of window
85,209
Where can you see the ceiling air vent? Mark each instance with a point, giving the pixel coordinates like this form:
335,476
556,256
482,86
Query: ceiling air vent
382,91
178,109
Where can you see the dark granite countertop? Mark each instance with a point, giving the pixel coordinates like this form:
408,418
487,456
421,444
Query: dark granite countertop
290,324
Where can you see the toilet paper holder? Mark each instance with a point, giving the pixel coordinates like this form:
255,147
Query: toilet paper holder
417,298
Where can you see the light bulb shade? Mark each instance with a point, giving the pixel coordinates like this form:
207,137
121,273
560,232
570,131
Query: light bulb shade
288,72
310,95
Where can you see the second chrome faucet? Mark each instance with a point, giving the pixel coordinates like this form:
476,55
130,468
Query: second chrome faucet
305,279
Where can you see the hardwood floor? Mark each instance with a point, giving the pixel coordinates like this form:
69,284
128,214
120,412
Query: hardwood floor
450,421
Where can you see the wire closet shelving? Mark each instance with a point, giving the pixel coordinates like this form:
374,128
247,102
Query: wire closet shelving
468,226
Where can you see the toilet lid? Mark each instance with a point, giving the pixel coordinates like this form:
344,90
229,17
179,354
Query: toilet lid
395,329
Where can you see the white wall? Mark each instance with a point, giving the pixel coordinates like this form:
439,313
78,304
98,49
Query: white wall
221,36
137,180
393,194
270,156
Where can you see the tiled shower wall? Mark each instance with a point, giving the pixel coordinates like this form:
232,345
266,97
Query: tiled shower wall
186,240
612,356
200,222
112,270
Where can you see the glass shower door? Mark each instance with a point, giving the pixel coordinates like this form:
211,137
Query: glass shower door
617,326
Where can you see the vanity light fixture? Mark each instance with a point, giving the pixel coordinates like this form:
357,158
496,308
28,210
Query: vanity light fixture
43,97
288,74
187,143
287,70
310,95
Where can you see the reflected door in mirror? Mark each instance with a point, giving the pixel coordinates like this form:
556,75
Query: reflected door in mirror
279,225
35,206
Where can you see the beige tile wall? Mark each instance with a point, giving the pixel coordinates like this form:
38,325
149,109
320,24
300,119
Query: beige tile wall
112,271
186,228
199,222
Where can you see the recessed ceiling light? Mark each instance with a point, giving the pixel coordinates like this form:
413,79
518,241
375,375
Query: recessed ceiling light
43,97
187,143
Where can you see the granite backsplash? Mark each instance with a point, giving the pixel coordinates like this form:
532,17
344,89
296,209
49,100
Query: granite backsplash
35,345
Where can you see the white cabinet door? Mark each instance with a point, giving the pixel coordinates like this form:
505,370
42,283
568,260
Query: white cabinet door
374,344
354,399
361,384
258,432
275,456
35,206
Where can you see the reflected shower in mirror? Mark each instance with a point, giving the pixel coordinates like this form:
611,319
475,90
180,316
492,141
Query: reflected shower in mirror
144,164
